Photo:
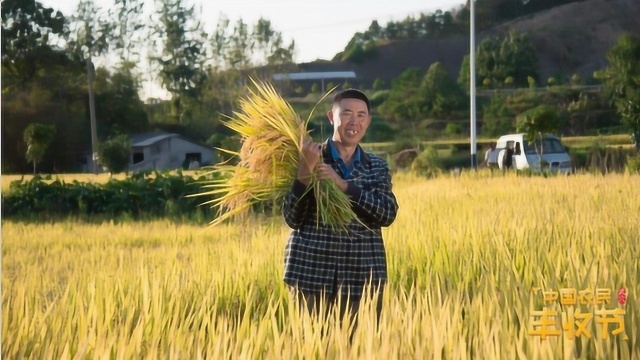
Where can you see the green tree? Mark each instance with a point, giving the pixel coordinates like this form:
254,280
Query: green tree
537,122
513,57
441,94
182,63
90,39
26,29
403,102
117,102
622,82
240,51
114,153
518,58
427,163
497,118
38,137
128,29
378,84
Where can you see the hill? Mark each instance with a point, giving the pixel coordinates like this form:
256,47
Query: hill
569,39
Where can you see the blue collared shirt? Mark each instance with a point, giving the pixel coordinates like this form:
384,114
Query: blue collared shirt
346,171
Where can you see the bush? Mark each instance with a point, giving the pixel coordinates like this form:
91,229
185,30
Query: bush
427,163
143,195
633,163
453,129
114,153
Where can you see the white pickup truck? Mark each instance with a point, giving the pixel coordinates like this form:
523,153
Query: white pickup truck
518,153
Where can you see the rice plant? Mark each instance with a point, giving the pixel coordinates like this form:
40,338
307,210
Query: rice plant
463,257
271,135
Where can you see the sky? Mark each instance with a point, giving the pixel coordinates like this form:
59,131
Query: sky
320,29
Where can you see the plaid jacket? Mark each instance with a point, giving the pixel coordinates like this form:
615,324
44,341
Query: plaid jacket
314,255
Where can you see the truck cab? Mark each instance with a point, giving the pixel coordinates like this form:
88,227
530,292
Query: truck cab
517,153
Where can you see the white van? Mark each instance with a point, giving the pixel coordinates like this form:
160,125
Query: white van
523,155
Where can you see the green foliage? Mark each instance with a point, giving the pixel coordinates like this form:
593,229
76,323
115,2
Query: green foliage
453,129
576,80
115,153
540,120
183,57
143,195
508,82
359,52
441,95
379,131
411,99
378,98
633,163
315,89
38,137
378,84
497,117
118,103
224,139
513,58
427,163
26,27
403,102
622,82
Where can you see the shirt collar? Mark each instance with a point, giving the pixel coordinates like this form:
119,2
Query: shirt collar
336,155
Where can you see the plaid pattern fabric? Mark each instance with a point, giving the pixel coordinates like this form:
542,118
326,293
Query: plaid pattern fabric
315,256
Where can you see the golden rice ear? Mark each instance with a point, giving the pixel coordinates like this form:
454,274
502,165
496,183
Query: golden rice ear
271,135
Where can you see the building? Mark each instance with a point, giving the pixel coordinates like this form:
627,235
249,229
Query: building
159,150
306,79
167,151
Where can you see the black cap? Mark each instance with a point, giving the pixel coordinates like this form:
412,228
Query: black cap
352,94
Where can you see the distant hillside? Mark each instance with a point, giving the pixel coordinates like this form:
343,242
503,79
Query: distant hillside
572,38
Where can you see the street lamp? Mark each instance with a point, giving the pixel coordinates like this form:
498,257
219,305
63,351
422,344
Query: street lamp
472,83
472,79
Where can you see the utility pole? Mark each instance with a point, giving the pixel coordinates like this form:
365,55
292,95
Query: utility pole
92,112
472,85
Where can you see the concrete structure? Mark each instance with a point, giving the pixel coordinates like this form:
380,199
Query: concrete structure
311,77
166,151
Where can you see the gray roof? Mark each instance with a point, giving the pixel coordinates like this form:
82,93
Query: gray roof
316,75
150,138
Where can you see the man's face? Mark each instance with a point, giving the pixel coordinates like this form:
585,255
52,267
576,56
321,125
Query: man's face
350,120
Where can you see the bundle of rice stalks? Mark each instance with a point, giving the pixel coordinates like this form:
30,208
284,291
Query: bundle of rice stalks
271,134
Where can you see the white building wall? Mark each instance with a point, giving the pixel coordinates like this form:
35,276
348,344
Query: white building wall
170,153
181,147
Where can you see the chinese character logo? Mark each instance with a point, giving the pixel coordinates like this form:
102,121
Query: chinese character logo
573,321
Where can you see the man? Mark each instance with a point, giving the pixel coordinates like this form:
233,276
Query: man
321,265
491,157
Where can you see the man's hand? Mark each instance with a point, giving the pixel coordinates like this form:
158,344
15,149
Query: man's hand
309,157
326,172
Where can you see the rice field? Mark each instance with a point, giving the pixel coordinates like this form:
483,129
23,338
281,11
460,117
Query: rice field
465,256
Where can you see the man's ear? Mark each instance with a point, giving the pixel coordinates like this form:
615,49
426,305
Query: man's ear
330,116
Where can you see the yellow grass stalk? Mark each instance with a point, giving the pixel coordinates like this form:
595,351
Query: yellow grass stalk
271,134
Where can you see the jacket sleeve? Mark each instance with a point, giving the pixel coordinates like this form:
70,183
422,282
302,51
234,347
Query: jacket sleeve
297,205
378,205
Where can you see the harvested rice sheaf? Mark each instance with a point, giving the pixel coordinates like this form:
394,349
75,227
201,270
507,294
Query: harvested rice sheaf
271,134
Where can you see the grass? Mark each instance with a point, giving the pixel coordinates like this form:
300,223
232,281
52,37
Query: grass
463,255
